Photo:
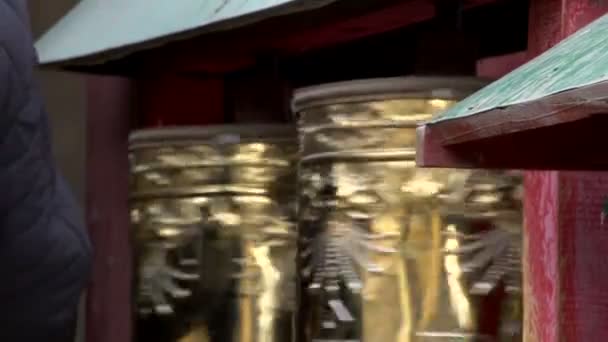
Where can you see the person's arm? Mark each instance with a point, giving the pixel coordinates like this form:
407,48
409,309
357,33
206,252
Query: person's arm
17,61
44,251
4,84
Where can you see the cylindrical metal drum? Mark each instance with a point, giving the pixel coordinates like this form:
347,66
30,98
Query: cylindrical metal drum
390,252
213,212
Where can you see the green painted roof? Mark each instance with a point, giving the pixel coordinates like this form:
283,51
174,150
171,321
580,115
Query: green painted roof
93,27
577,62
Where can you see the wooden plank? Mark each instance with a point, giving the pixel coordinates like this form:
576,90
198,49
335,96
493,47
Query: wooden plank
582,241
109,110
575,146
564,245
431,153
541,280
563,108
564,253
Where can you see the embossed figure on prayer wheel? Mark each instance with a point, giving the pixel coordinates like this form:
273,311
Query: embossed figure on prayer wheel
391,252
213,212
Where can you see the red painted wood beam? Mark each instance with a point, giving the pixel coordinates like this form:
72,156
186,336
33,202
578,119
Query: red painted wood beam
109,113
564,255
430,152
546,113
226,53
574,146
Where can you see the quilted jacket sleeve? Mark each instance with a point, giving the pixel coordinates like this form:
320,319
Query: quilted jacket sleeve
4,81
44,251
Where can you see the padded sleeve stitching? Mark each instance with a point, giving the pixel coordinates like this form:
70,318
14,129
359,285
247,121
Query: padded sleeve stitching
4,86
7,87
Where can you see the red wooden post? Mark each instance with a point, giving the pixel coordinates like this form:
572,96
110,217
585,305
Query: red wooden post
107,189
566,288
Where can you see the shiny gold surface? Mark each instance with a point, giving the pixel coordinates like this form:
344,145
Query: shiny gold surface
213,226
394,253
365,129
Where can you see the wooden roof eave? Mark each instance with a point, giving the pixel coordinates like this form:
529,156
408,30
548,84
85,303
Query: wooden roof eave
94,32
570,138
228,43
547,114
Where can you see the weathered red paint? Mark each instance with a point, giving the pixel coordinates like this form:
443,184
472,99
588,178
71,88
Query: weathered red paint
107,189
582,258
541,276
565,245
565,286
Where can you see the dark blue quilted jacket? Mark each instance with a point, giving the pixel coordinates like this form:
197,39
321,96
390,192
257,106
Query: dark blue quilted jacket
44,251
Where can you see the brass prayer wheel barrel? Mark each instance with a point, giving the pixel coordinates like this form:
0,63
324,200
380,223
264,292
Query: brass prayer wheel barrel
212,211
391,252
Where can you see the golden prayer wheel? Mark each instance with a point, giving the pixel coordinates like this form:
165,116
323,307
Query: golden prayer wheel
212,210
391,252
